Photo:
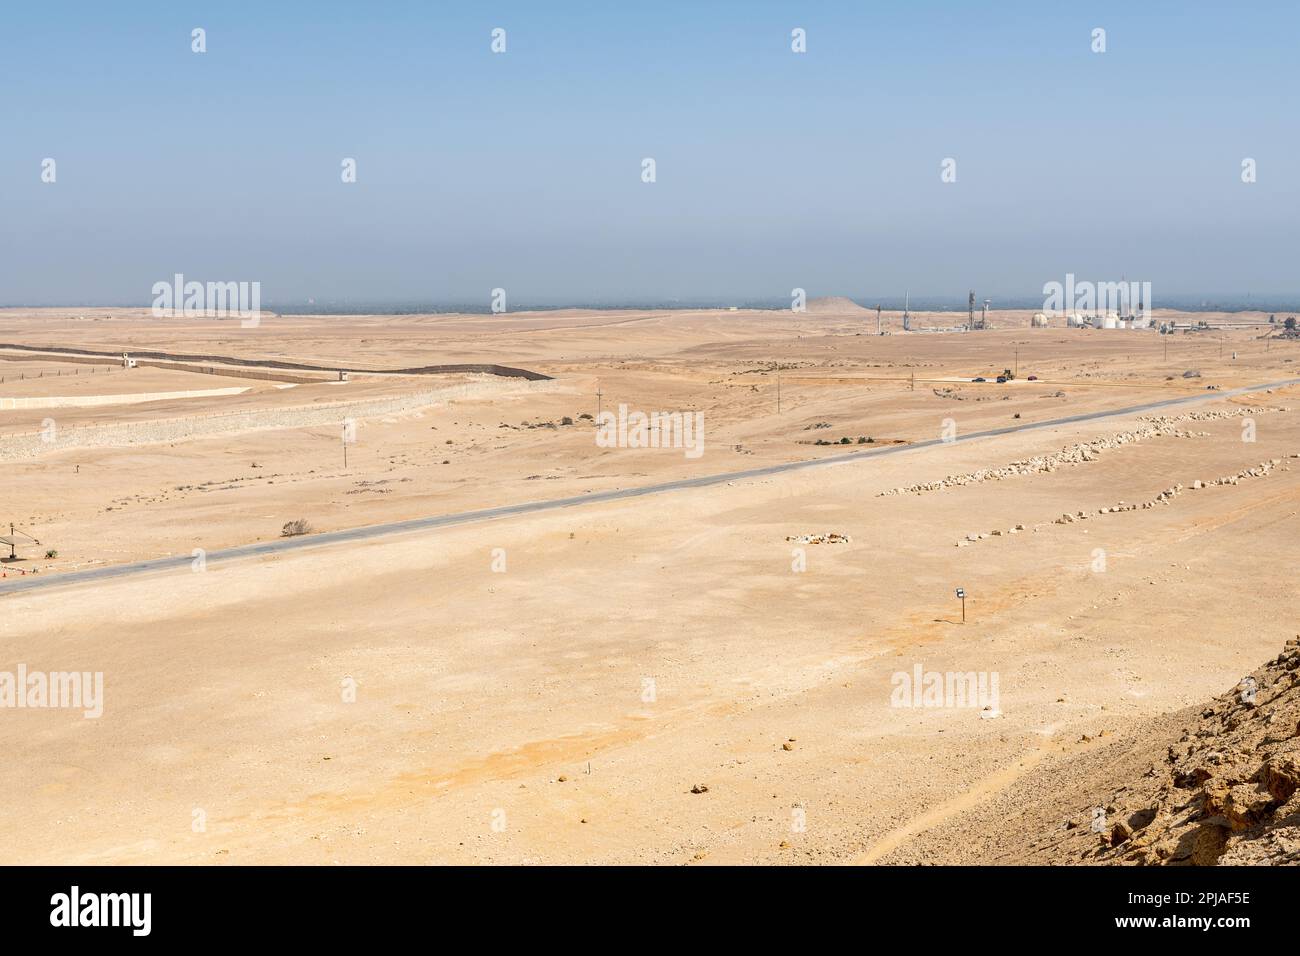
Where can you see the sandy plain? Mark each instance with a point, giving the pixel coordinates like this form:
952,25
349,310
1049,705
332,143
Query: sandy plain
566,708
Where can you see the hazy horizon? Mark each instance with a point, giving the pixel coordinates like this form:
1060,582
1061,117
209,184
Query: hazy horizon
1279,303
522,170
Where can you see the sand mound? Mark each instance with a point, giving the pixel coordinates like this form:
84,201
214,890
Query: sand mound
836,305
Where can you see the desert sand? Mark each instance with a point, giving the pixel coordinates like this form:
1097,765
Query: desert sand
673,678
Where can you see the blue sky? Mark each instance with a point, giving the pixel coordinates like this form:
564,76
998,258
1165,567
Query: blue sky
522,170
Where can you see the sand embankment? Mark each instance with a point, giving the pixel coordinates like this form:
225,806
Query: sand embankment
125,398
32,444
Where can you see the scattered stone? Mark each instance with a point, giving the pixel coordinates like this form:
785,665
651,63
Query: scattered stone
1118,834
829,537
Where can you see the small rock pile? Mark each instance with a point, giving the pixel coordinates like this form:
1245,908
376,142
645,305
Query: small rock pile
829,537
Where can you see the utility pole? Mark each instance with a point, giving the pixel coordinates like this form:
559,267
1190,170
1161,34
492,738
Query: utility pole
599,394
778,391
1017,361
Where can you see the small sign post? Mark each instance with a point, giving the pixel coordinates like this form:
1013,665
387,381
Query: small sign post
961,593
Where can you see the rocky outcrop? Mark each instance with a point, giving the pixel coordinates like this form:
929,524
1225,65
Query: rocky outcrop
1228,790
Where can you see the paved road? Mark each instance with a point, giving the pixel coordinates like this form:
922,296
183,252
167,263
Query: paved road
367,532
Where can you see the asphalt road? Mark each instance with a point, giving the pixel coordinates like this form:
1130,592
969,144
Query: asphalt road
31,582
